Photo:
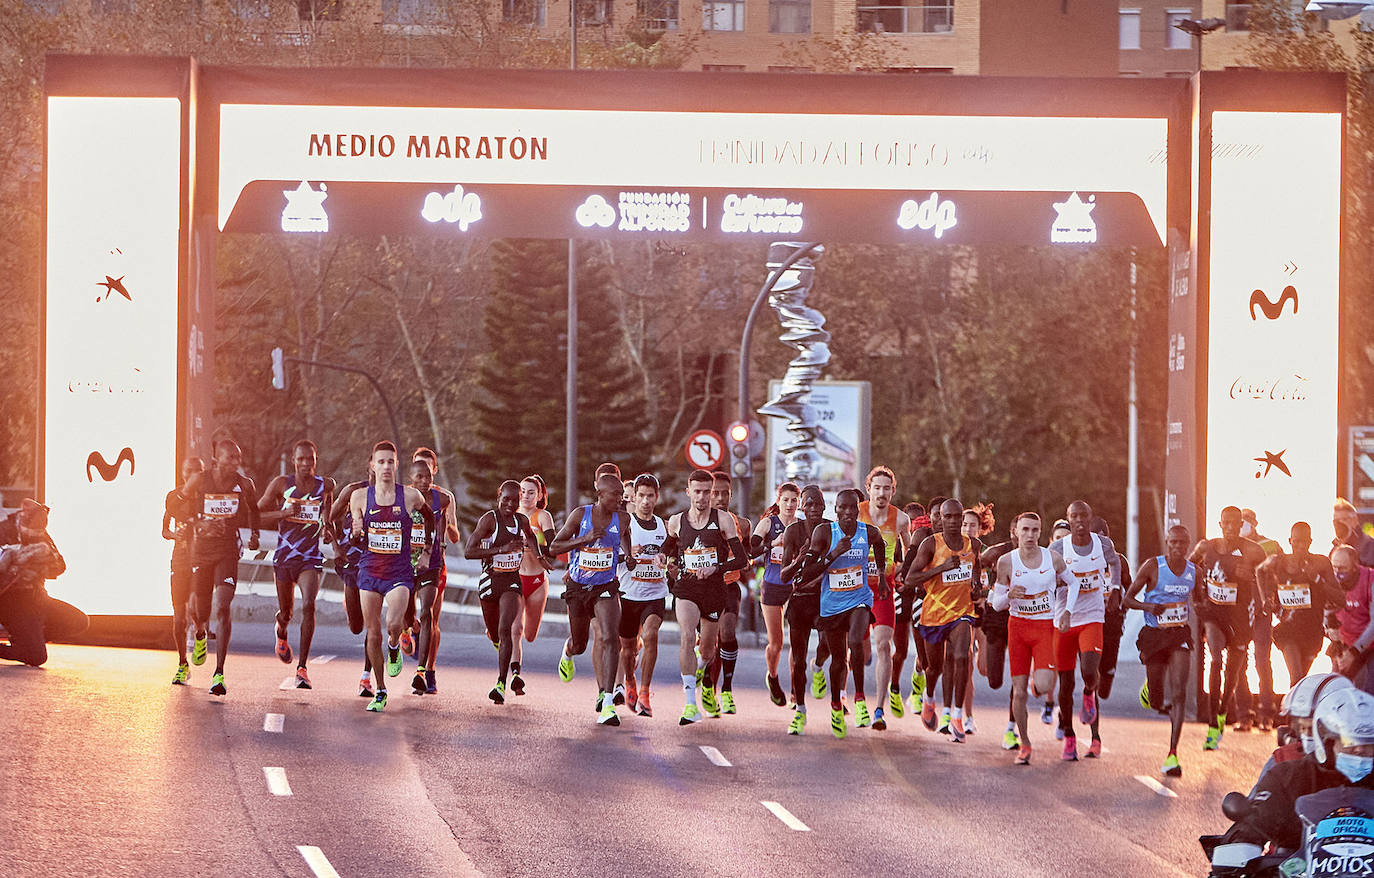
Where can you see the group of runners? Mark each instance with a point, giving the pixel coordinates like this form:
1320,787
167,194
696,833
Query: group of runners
876,583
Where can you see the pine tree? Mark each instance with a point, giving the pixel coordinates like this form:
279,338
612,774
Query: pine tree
519,411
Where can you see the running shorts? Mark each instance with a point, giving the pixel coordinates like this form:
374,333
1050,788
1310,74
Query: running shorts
904,599
289,572
1030,642
934,634
1234,625
205,578
1069,645
841,621
775,594
708,596
181,584
633,614
381,586
490,588
803,610
885,611
1111,642
530,584
995,626
1156,644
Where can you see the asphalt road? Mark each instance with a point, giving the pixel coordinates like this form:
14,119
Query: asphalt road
108,770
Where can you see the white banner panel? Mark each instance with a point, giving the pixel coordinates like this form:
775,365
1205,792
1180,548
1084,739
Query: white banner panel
1273,318
843,410
114,174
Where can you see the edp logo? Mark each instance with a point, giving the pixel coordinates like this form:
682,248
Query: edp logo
931,214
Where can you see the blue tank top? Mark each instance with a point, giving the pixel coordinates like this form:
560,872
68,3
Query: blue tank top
596,563
386,552
298,537
772,568
845,583
1171,589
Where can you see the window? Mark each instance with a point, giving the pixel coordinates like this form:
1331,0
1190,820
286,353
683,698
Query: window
723,68
1130,29
1173,37
658,14
722,15
411,12
906,16
112,7
1237,15
530,12
45,7
779,68
593,12
789,16
250,9
319,10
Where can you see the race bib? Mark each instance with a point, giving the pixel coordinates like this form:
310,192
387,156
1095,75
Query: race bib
647,570
962,573
596,559
1174,616
846,578
506,562
1032,606
1295,596
697,559
1222,593
384,537
307,511
220,505
872,571
417,534
775,556
1089,581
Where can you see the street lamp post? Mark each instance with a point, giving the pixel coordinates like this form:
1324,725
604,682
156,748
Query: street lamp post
570,421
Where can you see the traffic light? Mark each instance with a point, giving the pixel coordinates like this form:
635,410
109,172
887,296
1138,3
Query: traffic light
278,370
737,444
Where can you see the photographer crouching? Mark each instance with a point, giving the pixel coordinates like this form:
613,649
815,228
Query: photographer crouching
27,614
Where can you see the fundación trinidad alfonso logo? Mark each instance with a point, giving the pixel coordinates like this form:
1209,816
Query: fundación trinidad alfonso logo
1073,221
304,210
595,211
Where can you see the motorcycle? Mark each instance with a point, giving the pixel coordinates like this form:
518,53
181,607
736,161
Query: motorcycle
1338,839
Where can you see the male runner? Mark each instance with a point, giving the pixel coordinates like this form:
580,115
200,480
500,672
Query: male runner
1258,709
768,541
903,598
1011,739
444,508
1165,587
298,505
498,540
1227,565
705,545
948,566
1025,589
599,538
1298,587
221,498
909,602
348,555
1094,568
1114,620
978,523
842,553
894,525
804,596
534,570
723,668
176,527
643,595
382,525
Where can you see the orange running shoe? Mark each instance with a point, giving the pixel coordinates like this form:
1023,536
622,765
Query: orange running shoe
631,692
928,714
644,709
1095,749
407,642
1023,755
956,730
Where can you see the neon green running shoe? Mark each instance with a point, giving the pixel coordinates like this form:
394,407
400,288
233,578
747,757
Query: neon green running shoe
818,684
498,692
1213,740
727,701
378,702
798,723
199,650
182,674
1010,740
217,686
566,669
690,714
918,681
708,701
393,661
861,715
1145,695
1171,768
894,703
837,722
608,716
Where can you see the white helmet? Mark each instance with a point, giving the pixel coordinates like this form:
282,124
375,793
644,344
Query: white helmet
1301,700
1343,719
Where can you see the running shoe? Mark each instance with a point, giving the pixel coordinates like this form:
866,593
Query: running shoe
918,680
283,648
365,685
217,685
1070,750
378,702
182,675
1095,749
1059,733
608,715
1023,755
618,696
1213,740
798,723
837,722
418,684
431,687
1145,695
1171,768
1089,712
498,692
727,702
861,717
1244,724
969,727
198,651
944,722
956,730
600,700
879,721
928,714
302,679
775,693
566,668
894,703
701,669
644,709
631,693
1047,713
818,685
408,642
916,702
393,661
708,701
690,714
1010,740
517,684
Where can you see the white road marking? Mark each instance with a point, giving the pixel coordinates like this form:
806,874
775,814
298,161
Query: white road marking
288,683
273,722
316,860
276,781
716,757
786,816
1155,785
324,659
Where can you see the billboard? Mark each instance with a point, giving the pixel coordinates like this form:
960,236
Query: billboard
842,407
1360,466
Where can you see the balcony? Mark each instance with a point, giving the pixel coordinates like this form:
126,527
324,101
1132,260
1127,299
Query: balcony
907,18
1238,16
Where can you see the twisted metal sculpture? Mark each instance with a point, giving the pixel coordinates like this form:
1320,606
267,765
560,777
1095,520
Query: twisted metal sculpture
803,329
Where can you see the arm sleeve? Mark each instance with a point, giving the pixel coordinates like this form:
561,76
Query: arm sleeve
1001,597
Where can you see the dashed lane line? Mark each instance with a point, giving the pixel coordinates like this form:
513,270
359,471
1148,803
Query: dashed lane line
317,861
1159,788
716,757
787,817
273,722
276,781
324,659
288,683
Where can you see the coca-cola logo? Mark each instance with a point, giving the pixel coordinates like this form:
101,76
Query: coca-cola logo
1277,388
